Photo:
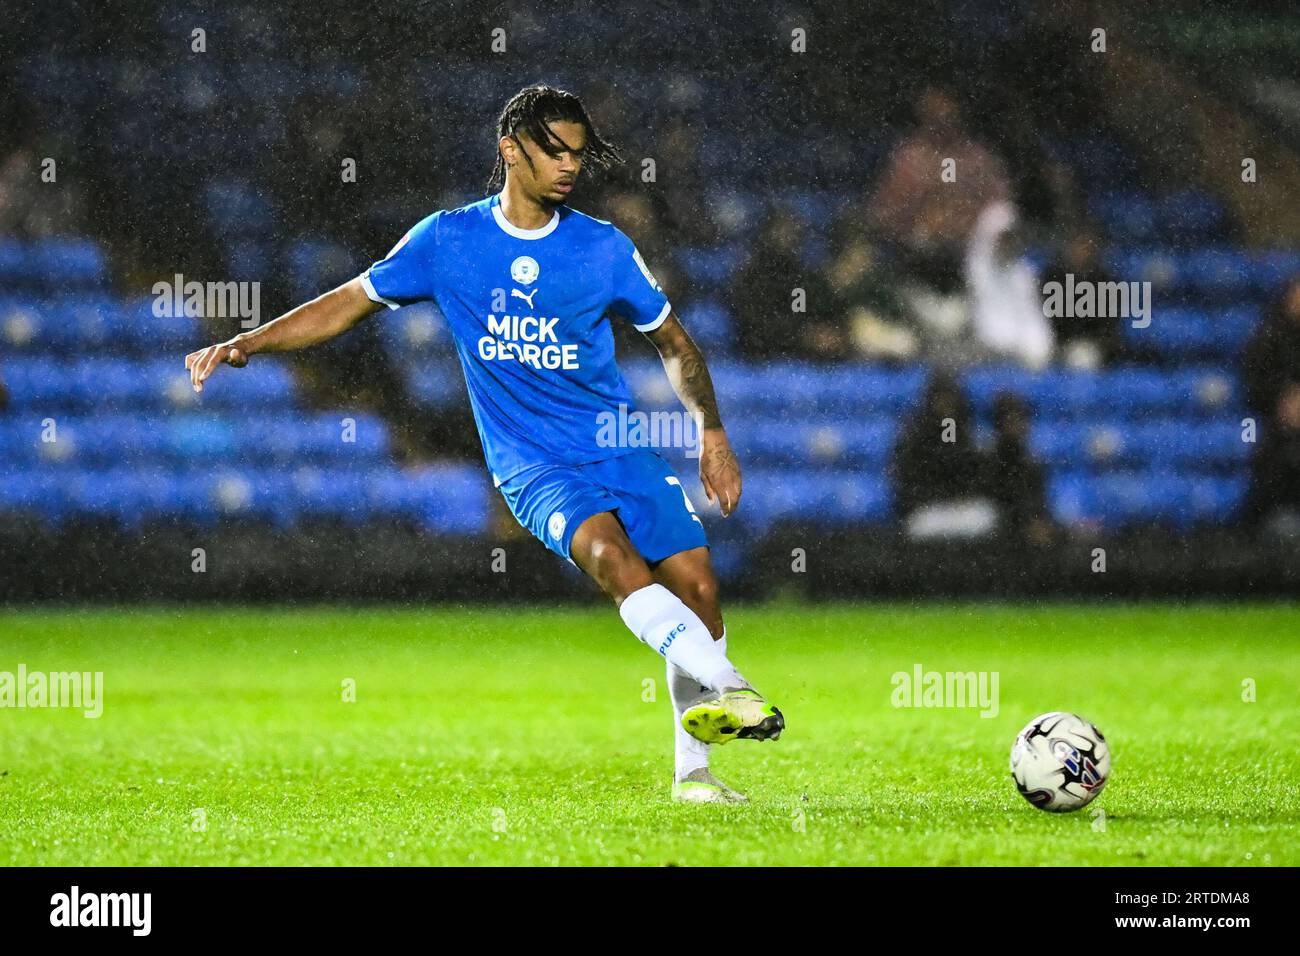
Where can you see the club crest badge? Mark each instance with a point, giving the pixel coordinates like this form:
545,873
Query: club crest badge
525,270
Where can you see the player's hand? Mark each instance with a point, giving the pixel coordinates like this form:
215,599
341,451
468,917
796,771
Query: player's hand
719,470
205,361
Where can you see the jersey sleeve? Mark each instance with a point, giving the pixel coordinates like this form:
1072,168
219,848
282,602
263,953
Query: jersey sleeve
405,275
637,296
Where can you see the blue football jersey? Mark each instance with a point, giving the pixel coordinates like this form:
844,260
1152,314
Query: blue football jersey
528,312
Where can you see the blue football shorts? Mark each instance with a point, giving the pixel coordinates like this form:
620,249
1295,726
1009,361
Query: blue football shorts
552,501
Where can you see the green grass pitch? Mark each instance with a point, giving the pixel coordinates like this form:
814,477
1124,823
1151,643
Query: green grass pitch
515,736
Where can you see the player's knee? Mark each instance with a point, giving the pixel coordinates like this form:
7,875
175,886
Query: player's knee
701,596
702,593
617,567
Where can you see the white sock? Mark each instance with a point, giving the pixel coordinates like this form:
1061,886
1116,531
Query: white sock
660,619
688,753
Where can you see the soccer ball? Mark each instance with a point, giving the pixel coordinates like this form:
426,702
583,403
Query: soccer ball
1060,762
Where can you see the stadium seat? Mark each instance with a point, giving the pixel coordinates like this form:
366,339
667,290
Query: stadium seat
1190,333
710,324
1130,391
1123,499
1187,446
317,266
451,499
1126,216
237,208
819,441
710,268
436,383
415,332
830,499
1190,215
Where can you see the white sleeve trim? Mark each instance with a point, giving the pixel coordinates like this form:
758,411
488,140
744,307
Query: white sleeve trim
651,326
374,296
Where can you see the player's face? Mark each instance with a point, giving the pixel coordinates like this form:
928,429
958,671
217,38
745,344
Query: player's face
552,176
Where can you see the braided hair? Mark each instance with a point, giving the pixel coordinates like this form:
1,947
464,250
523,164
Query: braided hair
529,111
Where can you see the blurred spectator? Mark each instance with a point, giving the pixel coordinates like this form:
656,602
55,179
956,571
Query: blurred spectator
763,297
1015,478
1272,359
1274,498
937,472
873,319
1005,296
307,175
928,219
32,208
1084,342
682,207
635,214
638,214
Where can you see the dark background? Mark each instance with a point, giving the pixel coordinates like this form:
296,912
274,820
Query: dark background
224,165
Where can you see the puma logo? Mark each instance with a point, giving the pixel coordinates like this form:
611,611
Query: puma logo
527,298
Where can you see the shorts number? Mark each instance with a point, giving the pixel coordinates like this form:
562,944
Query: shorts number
672,480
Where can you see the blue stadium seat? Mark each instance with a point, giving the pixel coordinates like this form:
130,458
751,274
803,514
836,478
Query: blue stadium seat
15,270
1190,214
1185,333
209,495
1126,216
416,331
451,499
63,263
286,439
1219,272
820,441
1122,499
791,388
710,268
68,323
54,264
269,384
236,207
436,383
250,259
1205,274
132,386
135,325
339,493
315,267
39,383
1171,444
25,492
25,324
709,323
825,498
1124,390
1273,269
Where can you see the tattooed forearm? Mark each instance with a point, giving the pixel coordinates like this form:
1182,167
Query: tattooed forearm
690,379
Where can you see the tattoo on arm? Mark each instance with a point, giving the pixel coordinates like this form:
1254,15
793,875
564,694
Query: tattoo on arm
689,375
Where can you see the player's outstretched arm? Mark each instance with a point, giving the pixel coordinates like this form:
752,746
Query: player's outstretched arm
689,375
312,322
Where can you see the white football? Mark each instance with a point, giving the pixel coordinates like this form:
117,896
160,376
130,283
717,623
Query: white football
1060,762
